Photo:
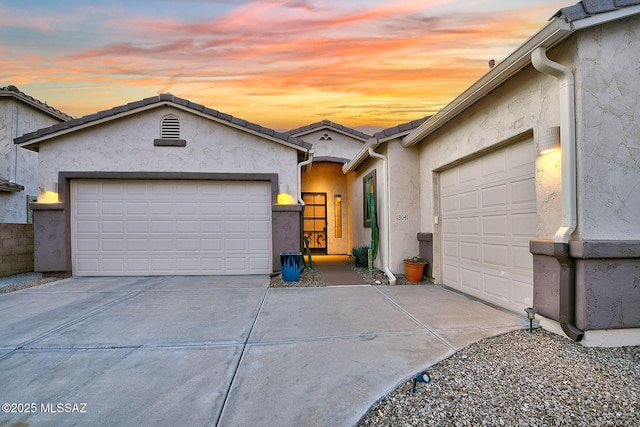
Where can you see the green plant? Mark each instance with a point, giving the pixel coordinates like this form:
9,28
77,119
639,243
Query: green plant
361,254
416,260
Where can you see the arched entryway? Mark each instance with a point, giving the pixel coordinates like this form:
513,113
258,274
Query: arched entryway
324,191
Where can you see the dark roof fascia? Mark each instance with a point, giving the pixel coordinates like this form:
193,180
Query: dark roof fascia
399,130
14,92
327,124
32,139
9,186
588,8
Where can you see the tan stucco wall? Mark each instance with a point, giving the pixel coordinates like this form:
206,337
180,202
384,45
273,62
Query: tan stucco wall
16,119
127,145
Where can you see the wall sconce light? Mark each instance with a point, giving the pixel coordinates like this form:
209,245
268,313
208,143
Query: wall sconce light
531,314
49,193
547,140
284,198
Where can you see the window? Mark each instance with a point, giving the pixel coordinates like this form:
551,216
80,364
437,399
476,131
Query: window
368,185
170,132
337,207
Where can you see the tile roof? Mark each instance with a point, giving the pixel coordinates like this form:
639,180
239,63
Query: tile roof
587,8
388,133
161,99
13,91
328,124
9,186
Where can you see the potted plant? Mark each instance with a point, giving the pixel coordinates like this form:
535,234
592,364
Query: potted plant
414,268
361,254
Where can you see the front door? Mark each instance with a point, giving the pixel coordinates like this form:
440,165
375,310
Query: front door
315,221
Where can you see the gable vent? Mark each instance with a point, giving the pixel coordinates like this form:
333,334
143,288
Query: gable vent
170,127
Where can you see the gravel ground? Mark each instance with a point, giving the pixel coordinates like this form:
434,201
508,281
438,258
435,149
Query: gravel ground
26,284
521,379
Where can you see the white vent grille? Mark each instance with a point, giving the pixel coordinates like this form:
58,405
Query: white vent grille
170,127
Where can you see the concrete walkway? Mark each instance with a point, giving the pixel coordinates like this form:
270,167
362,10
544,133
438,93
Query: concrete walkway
222,351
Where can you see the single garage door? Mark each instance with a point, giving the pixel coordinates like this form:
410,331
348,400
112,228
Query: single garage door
488,208
164,227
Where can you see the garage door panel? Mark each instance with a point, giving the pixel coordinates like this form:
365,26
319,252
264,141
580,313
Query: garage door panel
523,192
485,249
112,245
89,208
112,208
171,227
471,279
470,227
88,245
87,226
492,166
110,226
449,204
470,252
497,286
522,259
523,224
495,225
469,200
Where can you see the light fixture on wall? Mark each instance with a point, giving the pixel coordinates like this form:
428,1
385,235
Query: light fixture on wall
284,198
49,194
547,140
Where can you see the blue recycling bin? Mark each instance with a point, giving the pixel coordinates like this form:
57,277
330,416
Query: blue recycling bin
291,264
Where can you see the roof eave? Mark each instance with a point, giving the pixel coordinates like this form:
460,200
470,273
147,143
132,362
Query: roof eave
33,143
35,104
360,156
552,34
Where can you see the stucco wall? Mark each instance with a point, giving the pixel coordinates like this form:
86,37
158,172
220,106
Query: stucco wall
405,195
340,146
608,131
18,164
127,145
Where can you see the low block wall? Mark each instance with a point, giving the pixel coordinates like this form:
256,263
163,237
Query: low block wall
16,249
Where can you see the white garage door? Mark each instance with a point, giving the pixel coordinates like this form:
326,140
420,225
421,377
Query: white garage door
488,210
161,227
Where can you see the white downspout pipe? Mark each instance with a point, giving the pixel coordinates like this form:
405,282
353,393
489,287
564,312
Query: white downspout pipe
567,139
569,193
300,166
387,209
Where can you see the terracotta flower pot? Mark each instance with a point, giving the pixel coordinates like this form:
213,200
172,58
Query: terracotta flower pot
414,271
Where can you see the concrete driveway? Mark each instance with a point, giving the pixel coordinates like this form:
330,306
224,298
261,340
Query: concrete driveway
227,351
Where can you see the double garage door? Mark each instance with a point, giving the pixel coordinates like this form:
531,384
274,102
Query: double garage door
164,227
488,208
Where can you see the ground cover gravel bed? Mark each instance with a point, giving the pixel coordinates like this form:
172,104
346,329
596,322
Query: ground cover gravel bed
520,379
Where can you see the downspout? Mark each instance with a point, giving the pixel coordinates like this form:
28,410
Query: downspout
387,209
302,164
569,199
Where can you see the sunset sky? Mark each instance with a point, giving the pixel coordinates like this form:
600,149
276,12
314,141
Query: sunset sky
279,63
